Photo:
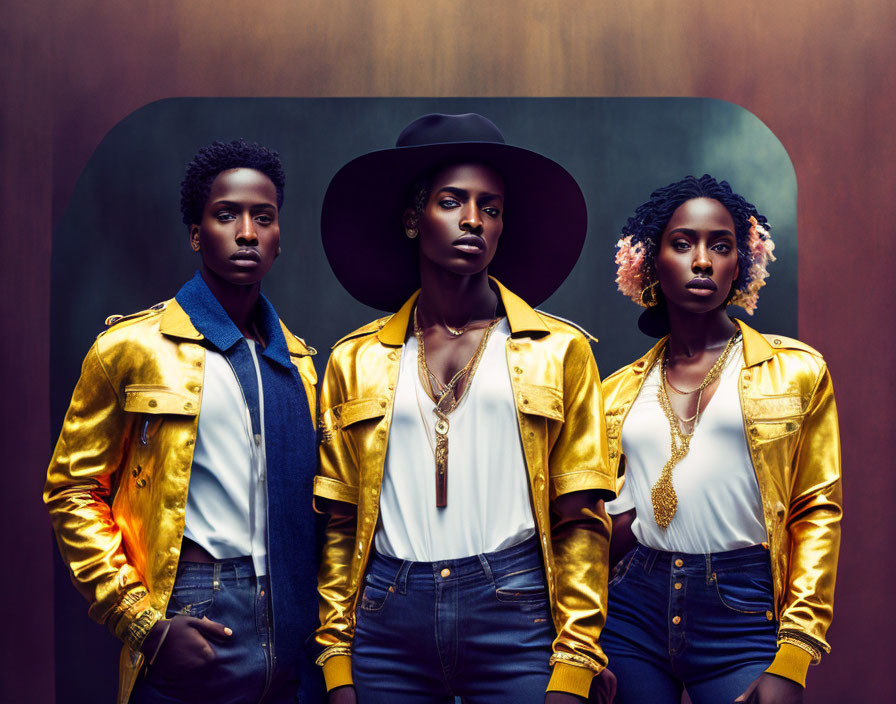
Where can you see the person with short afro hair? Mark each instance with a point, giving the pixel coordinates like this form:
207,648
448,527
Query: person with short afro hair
180,487
209,161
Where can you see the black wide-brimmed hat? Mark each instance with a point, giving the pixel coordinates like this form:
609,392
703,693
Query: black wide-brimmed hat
544,214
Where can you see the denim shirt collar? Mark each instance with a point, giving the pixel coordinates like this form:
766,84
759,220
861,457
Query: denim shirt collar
211,320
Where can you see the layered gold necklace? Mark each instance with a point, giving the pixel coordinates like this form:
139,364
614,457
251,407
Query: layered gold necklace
446,400
662,495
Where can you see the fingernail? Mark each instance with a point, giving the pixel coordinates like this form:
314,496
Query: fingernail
228,631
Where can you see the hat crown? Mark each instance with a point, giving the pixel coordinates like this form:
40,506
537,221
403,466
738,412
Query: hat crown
437,128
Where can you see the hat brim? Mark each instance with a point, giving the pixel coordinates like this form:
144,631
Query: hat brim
545,221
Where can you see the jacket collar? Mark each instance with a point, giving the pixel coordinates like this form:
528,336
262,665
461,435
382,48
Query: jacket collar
756,349
296,345
176,323
520,316
646,362
196,314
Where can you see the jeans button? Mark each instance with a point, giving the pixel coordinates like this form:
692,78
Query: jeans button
446,572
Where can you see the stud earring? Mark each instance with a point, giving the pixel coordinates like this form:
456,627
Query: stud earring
411,232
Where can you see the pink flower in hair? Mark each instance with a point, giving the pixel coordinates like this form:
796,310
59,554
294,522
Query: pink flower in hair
630,273
761,248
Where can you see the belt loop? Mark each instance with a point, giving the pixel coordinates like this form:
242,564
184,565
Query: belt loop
216,578
486,568
401,577
651,559
708,557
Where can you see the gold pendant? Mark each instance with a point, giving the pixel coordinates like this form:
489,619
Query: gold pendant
662,495
664,498
441,463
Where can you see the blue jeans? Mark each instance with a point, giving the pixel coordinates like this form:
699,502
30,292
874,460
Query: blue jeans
478,627
700,622
245,669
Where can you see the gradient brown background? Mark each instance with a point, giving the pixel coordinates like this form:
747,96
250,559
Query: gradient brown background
820,76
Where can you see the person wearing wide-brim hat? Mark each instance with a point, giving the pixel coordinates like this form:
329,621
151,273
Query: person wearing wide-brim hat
469,558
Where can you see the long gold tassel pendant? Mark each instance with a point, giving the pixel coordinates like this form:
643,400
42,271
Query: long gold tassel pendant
441,453
446,399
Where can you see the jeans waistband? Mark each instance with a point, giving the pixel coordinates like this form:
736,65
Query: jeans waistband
236,568
522,556
739,559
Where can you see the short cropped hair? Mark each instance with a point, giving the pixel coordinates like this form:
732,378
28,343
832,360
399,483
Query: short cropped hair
221,156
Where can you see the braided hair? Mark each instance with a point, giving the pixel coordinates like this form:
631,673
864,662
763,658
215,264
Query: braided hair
221,156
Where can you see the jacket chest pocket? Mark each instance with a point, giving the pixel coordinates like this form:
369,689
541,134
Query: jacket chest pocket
770,418
152,404
353,419
541,418
537,400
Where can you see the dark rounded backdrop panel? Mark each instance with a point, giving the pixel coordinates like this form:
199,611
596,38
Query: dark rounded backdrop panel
120,245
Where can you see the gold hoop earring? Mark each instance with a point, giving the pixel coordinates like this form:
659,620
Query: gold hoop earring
195,246
649,296
410,225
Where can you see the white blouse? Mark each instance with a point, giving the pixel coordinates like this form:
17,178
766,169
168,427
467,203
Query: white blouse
488,493
719,505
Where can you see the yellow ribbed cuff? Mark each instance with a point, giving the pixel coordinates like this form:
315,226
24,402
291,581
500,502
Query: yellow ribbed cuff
570,678
791,662
338,671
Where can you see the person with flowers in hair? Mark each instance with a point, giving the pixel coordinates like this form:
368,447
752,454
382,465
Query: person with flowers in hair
727,448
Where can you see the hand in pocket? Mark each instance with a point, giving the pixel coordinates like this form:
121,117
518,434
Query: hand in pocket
186,649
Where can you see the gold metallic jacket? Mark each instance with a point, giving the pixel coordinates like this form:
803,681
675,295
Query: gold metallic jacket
790,421
117,484
557,392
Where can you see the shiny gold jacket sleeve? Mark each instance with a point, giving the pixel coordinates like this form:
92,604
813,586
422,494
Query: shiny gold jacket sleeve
337,481
813,521
580,531
81,480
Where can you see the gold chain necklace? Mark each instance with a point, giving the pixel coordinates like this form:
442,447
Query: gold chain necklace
662,495
457,332
446,400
